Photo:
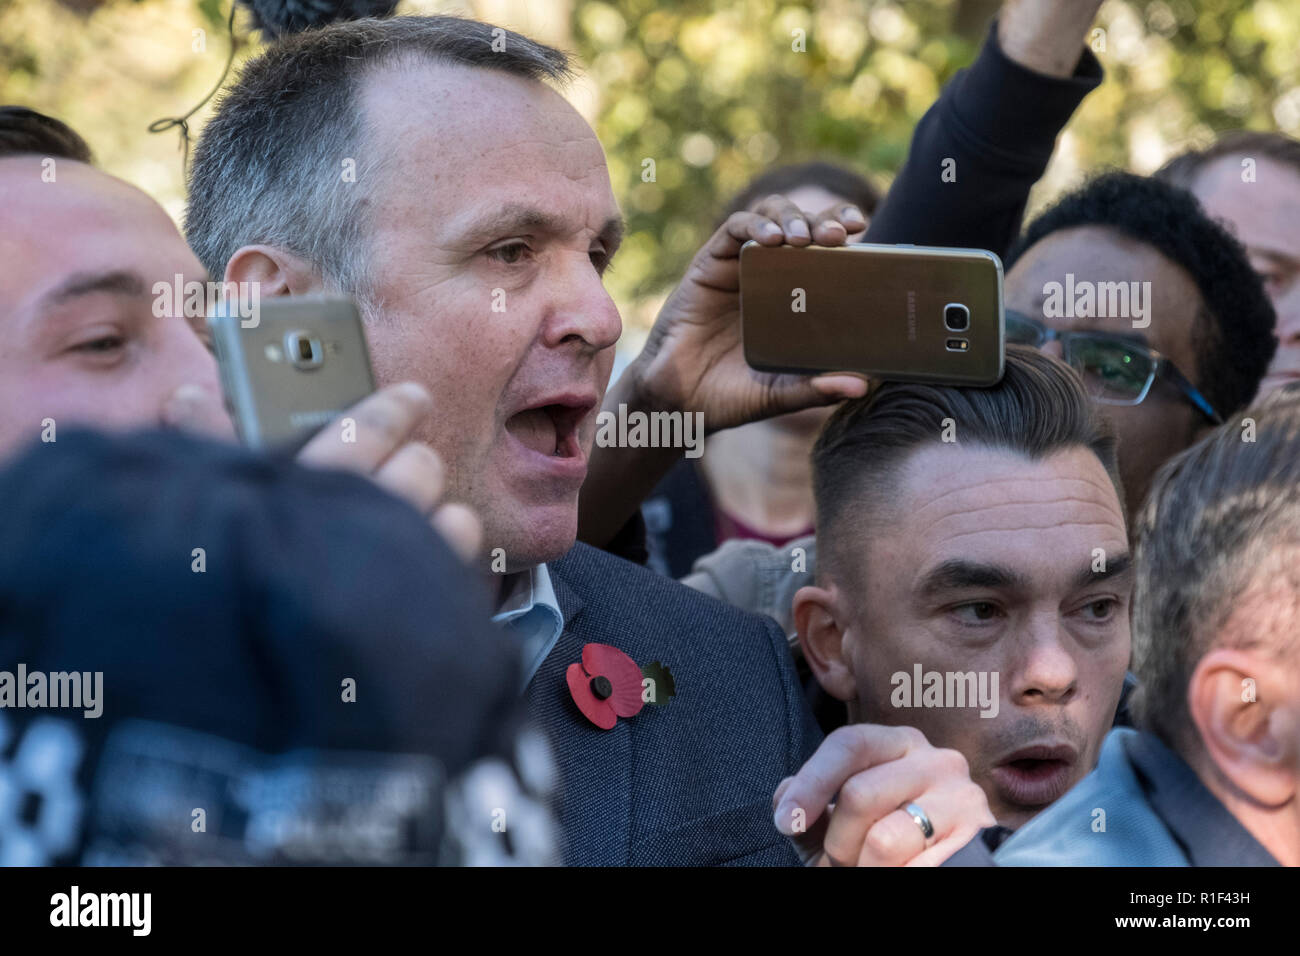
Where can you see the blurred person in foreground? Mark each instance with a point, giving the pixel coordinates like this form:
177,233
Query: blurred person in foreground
1212,775
209,656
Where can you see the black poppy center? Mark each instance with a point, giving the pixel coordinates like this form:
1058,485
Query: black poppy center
601,687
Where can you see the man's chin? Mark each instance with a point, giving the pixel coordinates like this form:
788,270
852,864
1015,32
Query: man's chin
546,533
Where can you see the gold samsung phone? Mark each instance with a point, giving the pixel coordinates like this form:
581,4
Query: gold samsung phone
291,368
902,313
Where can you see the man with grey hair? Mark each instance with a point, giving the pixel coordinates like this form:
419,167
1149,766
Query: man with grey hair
424,166
1212,778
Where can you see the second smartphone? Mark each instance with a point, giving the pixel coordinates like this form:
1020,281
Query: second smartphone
293,369
901,313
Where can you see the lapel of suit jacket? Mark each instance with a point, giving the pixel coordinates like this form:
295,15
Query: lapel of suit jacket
595,803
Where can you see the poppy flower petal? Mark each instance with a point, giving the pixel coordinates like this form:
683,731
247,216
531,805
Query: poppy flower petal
626,700
622,672
599,712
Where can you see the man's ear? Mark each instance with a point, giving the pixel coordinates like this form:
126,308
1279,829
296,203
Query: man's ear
275,271
1247,723
822,640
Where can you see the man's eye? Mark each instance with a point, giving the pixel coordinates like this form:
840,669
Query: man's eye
977,612
509,254
600,259
1100,610
101,346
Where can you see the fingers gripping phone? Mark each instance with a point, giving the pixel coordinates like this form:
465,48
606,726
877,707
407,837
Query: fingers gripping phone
903,313
291,368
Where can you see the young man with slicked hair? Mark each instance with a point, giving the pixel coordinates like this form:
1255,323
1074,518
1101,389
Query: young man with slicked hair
975,533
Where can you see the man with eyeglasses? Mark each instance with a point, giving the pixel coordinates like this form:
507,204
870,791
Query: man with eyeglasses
1153,303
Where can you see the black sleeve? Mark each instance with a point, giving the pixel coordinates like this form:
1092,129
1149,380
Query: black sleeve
629,542
998,121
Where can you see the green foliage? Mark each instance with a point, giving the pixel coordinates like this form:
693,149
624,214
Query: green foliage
713,91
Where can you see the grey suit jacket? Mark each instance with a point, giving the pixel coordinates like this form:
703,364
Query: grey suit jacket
688,782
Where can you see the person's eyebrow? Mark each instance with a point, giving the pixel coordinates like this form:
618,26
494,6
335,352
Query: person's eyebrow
957,575
118,282
516,218
1116,564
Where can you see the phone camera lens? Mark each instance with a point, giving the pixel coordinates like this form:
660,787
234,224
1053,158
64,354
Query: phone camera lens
304,350
956,317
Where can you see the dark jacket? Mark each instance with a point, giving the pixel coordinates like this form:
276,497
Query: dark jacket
686,782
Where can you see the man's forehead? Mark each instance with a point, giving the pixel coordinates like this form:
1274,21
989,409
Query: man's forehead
83,222
41,208
1088,252
478,140
1267,179
953,496
1094,255
472,119
1263,211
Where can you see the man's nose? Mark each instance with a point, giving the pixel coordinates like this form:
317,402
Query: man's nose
192,396
1288,314
582,309
1047,669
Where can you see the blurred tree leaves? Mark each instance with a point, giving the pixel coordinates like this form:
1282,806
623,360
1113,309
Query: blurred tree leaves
713,91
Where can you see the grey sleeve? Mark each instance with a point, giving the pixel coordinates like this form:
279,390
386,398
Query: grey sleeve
756,576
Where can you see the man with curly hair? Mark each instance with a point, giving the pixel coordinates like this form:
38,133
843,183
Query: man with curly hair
1195,339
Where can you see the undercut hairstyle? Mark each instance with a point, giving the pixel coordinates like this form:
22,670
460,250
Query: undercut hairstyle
267,169
1040,407
836,179
1233,330
24,132
1222,519
1186,169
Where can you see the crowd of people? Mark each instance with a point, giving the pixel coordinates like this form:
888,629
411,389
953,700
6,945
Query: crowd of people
1054,621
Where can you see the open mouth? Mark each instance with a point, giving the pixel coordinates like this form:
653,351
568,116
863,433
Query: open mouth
1031,769
1035,776
550,429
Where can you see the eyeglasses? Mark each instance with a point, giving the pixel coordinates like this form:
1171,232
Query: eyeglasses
1115,371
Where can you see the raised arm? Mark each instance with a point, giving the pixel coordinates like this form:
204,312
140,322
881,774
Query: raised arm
980,148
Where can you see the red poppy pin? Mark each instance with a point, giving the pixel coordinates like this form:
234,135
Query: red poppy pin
607,685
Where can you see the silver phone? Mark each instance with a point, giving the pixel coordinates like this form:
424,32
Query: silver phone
904,313
291,368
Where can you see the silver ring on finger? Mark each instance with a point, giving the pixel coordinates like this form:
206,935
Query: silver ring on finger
918,816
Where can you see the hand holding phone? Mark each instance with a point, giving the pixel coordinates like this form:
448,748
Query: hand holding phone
292,369
301,366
